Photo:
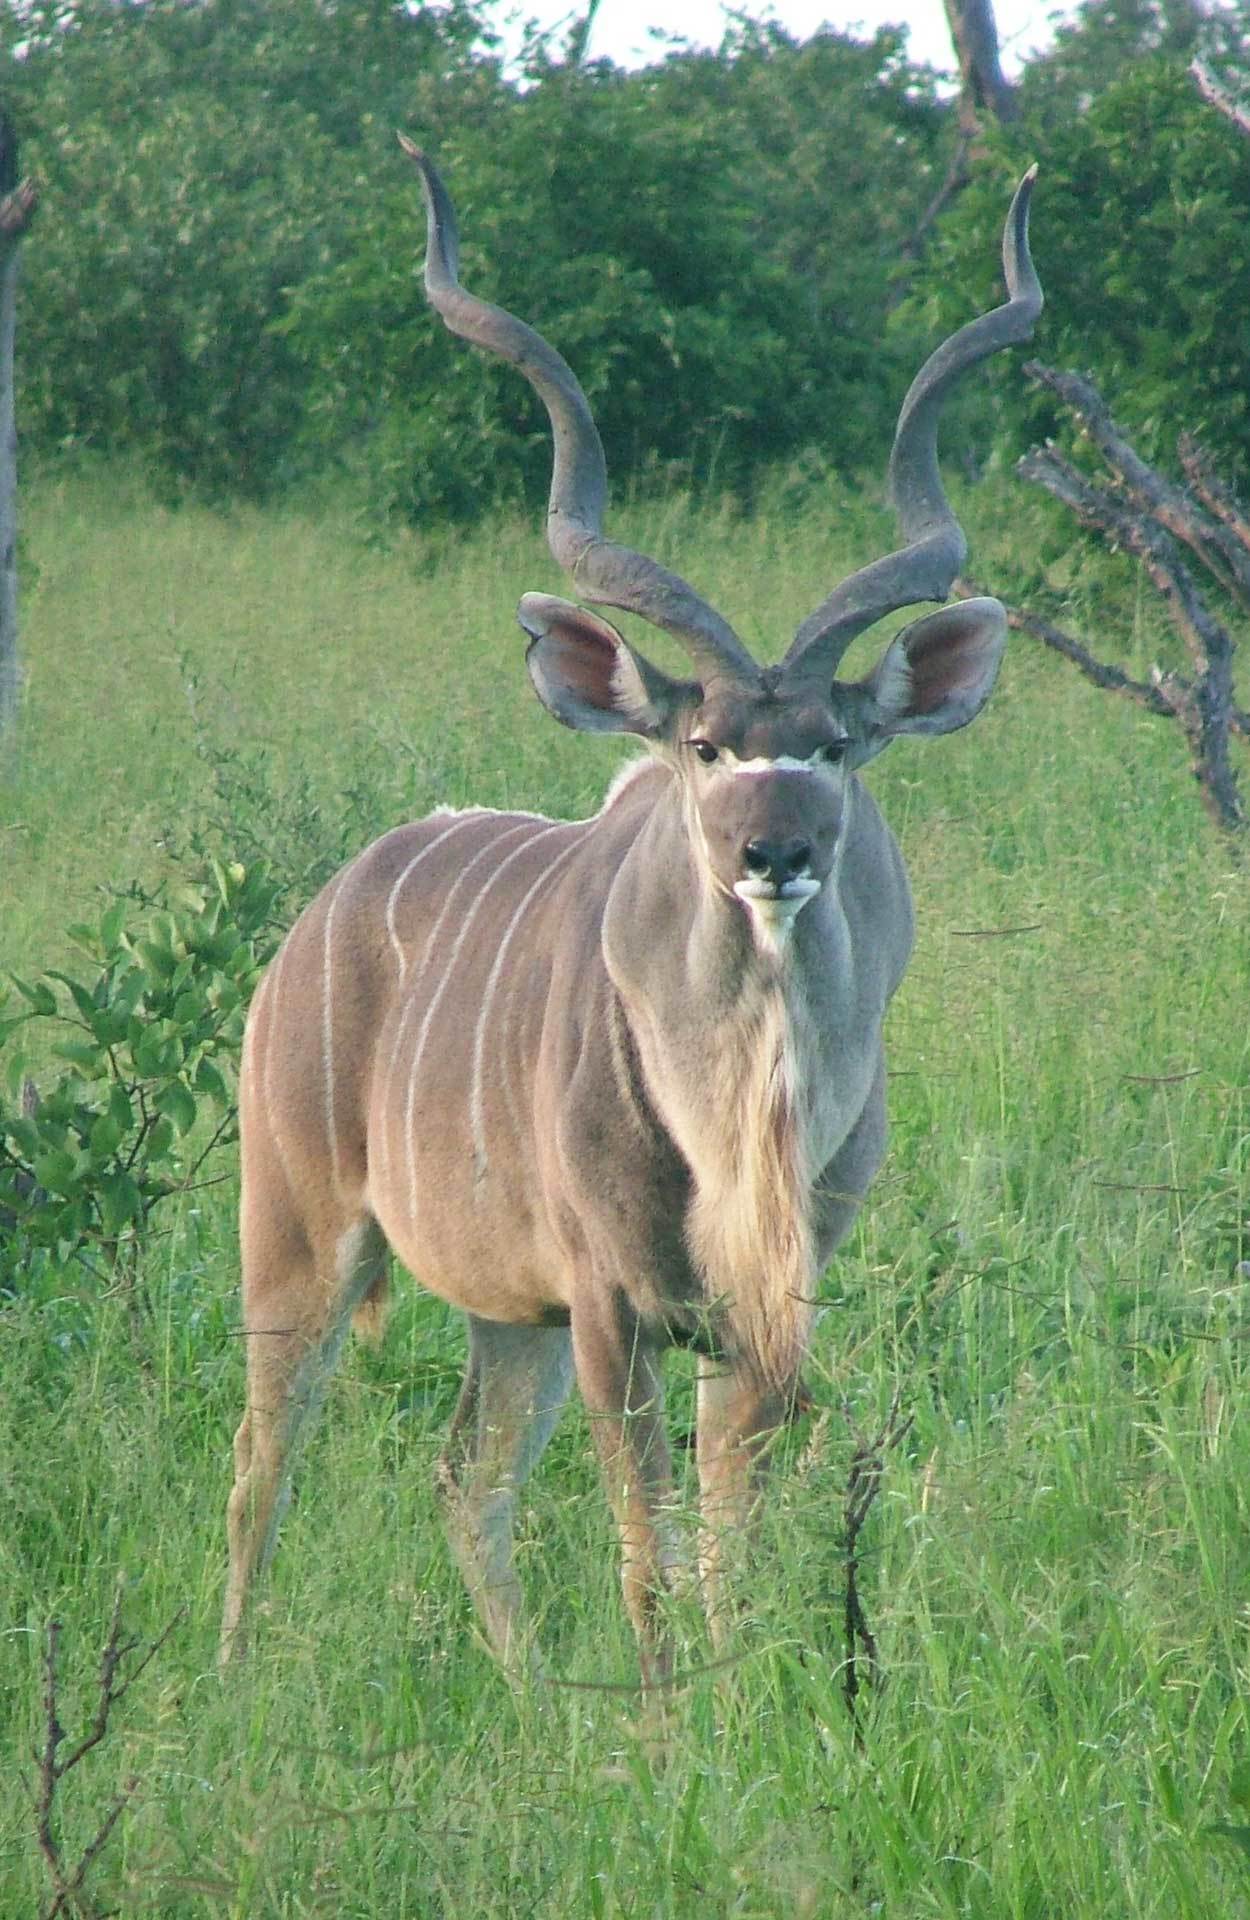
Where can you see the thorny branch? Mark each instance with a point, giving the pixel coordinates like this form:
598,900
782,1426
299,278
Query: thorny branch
112,1686
863,1483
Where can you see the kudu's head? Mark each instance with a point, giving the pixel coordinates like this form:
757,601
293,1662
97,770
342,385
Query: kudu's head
763,754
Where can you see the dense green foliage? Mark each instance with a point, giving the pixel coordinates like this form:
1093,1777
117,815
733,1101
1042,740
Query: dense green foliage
222,279
1140,236
1052,1270
146,1044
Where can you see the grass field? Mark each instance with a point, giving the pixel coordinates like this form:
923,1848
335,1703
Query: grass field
1054,1273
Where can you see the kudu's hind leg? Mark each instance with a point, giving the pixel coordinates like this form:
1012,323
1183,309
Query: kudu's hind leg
517,1381
297,1306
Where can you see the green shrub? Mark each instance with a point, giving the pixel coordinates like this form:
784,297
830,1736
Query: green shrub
143,1043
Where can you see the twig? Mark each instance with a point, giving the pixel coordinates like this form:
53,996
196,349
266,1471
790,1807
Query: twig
1112,679
863,1483
1212,492
1216,545
112,1686
1202,705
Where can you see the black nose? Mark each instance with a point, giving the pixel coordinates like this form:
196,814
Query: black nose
777,860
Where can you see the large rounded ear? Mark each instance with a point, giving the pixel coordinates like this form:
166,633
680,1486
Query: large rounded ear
938,673
589,677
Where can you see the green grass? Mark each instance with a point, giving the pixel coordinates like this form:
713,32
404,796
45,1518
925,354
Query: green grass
1051,1271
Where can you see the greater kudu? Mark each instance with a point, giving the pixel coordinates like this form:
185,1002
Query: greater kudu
616,1083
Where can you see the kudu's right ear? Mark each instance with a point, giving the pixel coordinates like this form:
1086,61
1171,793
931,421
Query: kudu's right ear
589,677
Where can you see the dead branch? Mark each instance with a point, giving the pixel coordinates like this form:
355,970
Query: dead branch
112,1686
958,175
1203,704
1217,95
1111,679
863,1483
1214,541
1212,492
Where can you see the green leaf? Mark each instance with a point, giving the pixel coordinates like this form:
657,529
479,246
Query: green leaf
83,999
1239,1786
121,1203
111,924
56,1170
83,1054
1169,1796
177,1103
39,995
208,1079
153,1053
159,960
105,1137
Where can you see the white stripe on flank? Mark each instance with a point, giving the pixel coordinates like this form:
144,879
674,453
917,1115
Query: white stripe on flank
275,973
327,1033
392,899
410,1105
411,980
251,1037
477,1117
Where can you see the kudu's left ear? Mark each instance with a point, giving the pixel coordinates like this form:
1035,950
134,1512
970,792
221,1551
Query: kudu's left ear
938,673
589,677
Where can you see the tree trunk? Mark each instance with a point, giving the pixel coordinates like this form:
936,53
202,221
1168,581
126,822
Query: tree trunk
983,86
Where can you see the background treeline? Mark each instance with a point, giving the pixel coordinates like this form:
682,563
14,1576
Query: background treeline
732,249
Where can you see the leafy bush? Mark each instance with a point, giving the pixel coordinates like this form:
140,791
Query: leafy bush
222,277
1141,242
146,1040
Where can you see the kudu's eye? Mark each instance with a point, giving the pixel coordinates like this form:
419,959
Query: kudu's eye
705,750
834,750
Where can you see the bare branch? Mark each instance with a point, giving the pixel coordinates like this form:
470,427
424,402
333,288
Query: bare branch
863,1483
1217,95
1096,507
111,1687
1215,544
1202,705
1111,679
1147,693
17,209
1214,495
958,175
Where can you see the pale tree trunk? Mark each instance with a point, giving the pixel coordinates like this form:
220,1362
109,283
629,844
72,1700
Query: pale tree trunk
983,86
16,208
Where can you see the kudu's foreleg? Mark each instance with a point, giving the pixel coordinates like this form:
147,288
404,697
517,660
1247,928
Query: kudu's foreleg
517,1381
297,1306
620,1382
738,1420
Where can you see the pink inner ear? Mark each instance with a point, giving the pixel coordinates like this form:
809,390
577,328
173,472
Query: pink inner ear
586,663
943,663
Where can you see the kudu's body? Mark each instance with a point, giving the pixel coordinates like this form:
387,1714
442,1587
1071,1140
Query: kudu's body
613,1083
